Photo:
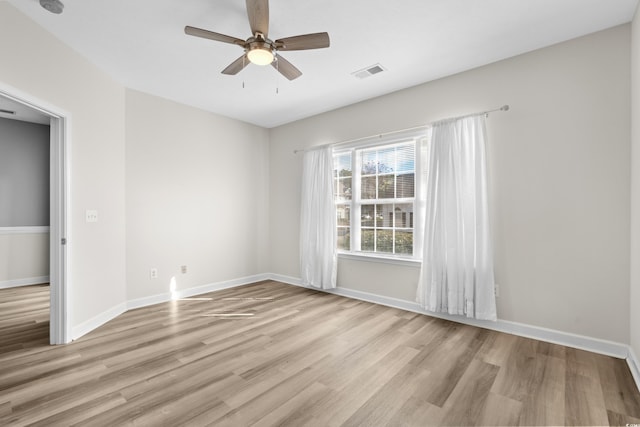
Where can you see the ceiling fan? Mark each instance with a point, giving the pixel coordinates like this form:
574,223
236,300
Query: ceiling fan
258,48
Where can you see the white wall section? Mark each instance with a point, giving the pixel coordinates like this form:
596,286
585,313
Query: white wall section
197,196
558,174
39,65
634,299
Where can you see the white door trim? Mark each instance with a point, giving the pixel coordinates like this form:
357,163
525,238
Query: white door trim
59,237
58,232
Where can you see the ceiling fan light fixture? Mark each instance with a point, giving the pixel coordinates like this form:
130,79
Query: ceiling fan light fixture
259,49
260,56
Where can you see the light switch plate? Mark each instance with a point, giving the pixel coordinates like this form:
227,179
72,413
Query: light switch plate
92,215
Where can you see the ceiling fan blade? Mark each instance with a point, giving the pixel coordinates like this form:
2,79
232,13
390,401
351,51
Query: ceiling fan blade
303,42
258,12
286,68
236,66
206,34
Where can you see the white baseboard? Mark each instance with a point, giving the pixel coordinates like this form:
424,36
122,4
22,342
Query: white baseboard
582,342
146,301
97,321
634,366
198,290
6,284
185,293
101,319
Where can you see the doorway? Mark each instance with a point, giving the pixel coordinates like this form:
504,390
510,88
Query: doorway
58,205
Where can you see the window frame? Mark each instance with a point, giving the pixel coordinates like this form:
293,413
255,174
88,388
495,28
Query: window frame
419,139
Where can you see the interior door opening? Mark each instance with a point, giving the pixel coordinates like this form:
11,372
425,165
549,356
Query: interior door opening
26,105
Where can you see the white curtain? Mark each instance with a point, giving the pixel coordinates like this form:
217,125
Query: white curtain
457,268
318,235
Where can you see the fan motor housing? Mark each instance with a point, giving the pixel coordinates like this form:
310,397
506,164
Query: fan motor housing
260,43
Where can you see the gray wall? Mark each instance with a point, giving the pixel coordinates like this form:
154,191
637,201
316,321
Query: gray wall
24,174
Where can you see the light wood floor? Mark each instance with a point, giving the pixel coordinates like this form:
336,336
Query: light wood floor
273,354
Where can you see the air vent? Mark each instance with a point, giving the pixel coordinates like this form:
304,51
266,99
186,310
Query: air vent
369,71
6,111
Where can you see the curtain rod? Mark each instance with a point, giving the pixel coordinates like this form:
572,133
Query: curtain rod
503,108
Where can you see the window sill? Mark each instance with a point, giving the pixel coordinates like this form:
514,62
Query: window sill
416,263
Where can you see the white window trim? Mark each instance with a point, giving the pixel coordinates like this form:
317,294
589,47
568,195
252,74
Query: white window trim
380,258
414,259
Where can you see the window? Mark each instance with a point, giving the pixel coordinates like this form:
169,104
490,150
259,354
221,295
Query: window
375,198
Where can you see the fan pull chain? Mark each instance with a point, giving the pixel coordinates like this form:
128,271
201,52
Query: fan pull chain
243,65
277,76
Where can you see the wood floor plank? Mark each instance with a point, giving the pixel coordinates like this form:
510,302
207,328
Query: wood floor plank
473,388
616,419
5,409
496,348
500,411
417,412
520,374
545,404
358,360
272,354
390,399
80,413
168,406
286,388
452,359
287,414
341,406
620,394
584,401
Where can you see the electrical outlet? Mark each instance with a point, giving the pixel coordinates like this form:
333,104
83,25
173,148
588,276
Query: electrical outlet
496,290
153,273
183,269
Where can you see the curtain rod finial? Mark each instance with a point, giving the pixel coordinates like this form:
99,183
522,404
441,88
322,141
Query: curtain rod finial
505,107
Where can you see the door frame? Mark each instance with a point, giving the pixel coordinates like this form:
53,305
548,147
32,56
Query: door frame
59,201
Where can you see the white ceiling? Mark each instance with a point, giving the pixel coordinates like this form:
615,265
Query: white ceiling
141,44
